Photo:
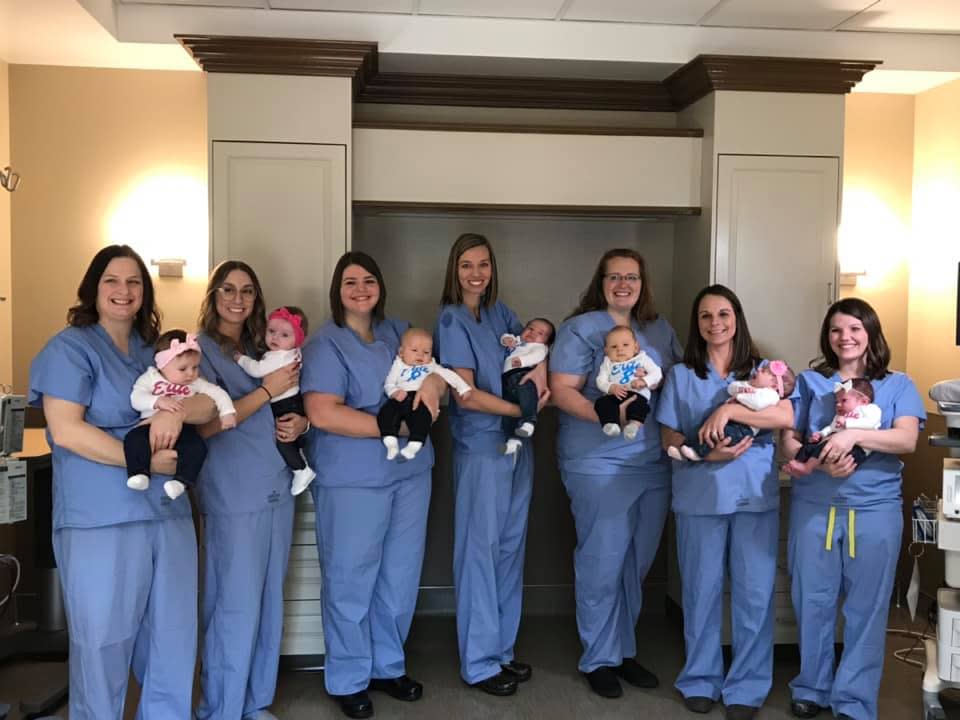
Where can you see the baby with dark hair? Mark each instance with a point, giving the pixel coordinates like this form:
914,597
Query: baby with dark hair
854,409
524,352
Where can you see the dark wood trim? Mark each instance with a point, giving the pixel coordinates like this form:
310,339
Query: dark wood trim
284,56
517,92
372,207
359,61
708,73
537,129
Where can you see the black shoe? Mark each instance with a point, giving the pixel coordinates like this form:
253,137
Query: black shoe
603,681
401,688
501,684
804,708
741,712
636,674
698,704
357,705
521,672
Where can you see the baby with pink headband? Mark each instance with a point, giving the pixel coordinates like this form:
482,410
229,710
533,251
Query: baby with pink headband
286,331
772,381
175,375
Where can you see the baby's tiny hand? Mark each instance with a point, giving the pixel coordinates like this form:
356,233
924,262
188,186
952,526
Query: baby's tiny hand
228,422
816,437
508,341
620,391
638,383
747,389
170,404
399,395
515,363
236,356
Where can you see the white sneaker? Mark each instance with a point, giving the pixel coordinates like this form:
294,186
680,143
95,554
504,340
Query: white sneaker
301,480
525,430
611,430
690,454
411,449
512,446
138,482
174,489
631,430
393,446
674,452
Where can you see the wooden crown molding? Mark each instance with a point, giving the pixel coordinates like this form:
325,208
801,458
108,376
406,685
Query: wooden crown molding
708,73
606,212
359,61
522,129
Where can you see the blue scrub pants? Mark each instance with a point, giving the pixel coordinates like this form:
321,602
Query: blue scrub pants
130,585
708,545
866,581
490,537
371,543
242,610
619,519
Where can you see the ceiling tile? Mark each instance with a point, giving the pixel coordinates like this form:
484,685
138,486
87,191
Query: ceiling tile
534,9
660,12
788,14
381,6
909,16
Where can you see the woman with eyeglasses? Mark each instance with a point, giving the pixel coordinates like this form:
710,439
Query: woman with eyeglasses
619,489
371,513
127,560
492,489
244,493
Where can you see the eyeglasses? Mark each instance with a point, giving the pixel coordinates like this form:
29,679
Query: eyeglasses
617,277
229,292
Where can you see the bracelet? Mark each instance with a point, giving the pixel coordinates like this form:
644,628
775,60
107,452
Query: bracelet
264,388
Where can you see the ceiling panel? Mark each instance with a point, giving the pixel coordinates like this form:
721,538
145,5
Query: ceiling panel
663,12
382,6
535,9
201,3
909,16
788,14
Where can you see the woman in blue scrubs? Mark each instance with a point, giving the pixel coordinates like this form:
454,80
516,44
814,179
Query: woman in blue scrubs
619,489
371,513
244,492
846,522
127,560
726,510
492,489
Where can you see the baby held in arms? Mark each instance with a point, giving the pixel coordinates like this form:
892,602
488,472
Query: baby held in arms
626,371
413,364
772,381
524,352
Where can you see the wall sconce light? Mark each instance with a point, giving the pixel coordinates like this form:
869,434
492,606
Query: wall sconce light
169,267
849,279
9,179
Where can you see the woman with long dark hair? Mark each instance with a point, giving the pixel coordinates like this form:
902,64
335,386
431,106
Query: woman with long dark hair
244,493
619,488
846,520
127,560
726,509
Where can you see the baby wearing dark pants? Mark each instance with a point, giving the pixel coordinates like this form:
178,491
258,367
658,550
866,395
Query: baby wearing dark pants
527,350
414,362
626,372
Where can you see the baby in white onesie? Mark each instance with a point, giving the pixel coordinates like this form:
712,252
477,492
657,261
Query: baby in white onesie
625,371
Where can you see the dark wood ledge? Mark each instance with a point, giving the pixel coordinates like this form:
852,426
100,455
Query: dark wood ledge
533,129
372,207
358,60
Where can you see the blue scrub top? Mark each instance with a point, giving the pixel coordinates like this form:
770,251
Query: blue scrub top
747,484
878,479
581,446
83,366
462,341
336,361
244,471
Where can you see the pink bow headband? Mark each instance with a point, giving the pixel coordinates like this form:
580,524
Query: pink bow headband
294,320
778,368
163,358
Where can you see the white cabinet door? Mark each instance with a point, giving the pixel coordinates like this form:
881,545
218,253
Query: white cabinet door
283,209
775,246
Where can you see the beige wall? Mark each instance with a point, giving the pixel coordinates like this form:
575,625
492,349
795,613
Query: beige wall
876,211
106,156
6,338
935,248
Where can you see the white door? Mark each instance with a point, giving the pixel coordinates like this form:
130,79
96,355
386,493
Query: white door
775,246
282,208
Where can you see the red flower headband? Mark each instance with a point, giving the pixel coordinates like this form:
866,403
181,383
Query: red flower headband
294,320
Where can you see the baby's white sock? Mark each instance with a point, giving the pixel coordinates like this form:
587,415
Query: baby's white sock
611,429
392,445
138,482
301,480
690,454
525,430
631,430
174,489
411,449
